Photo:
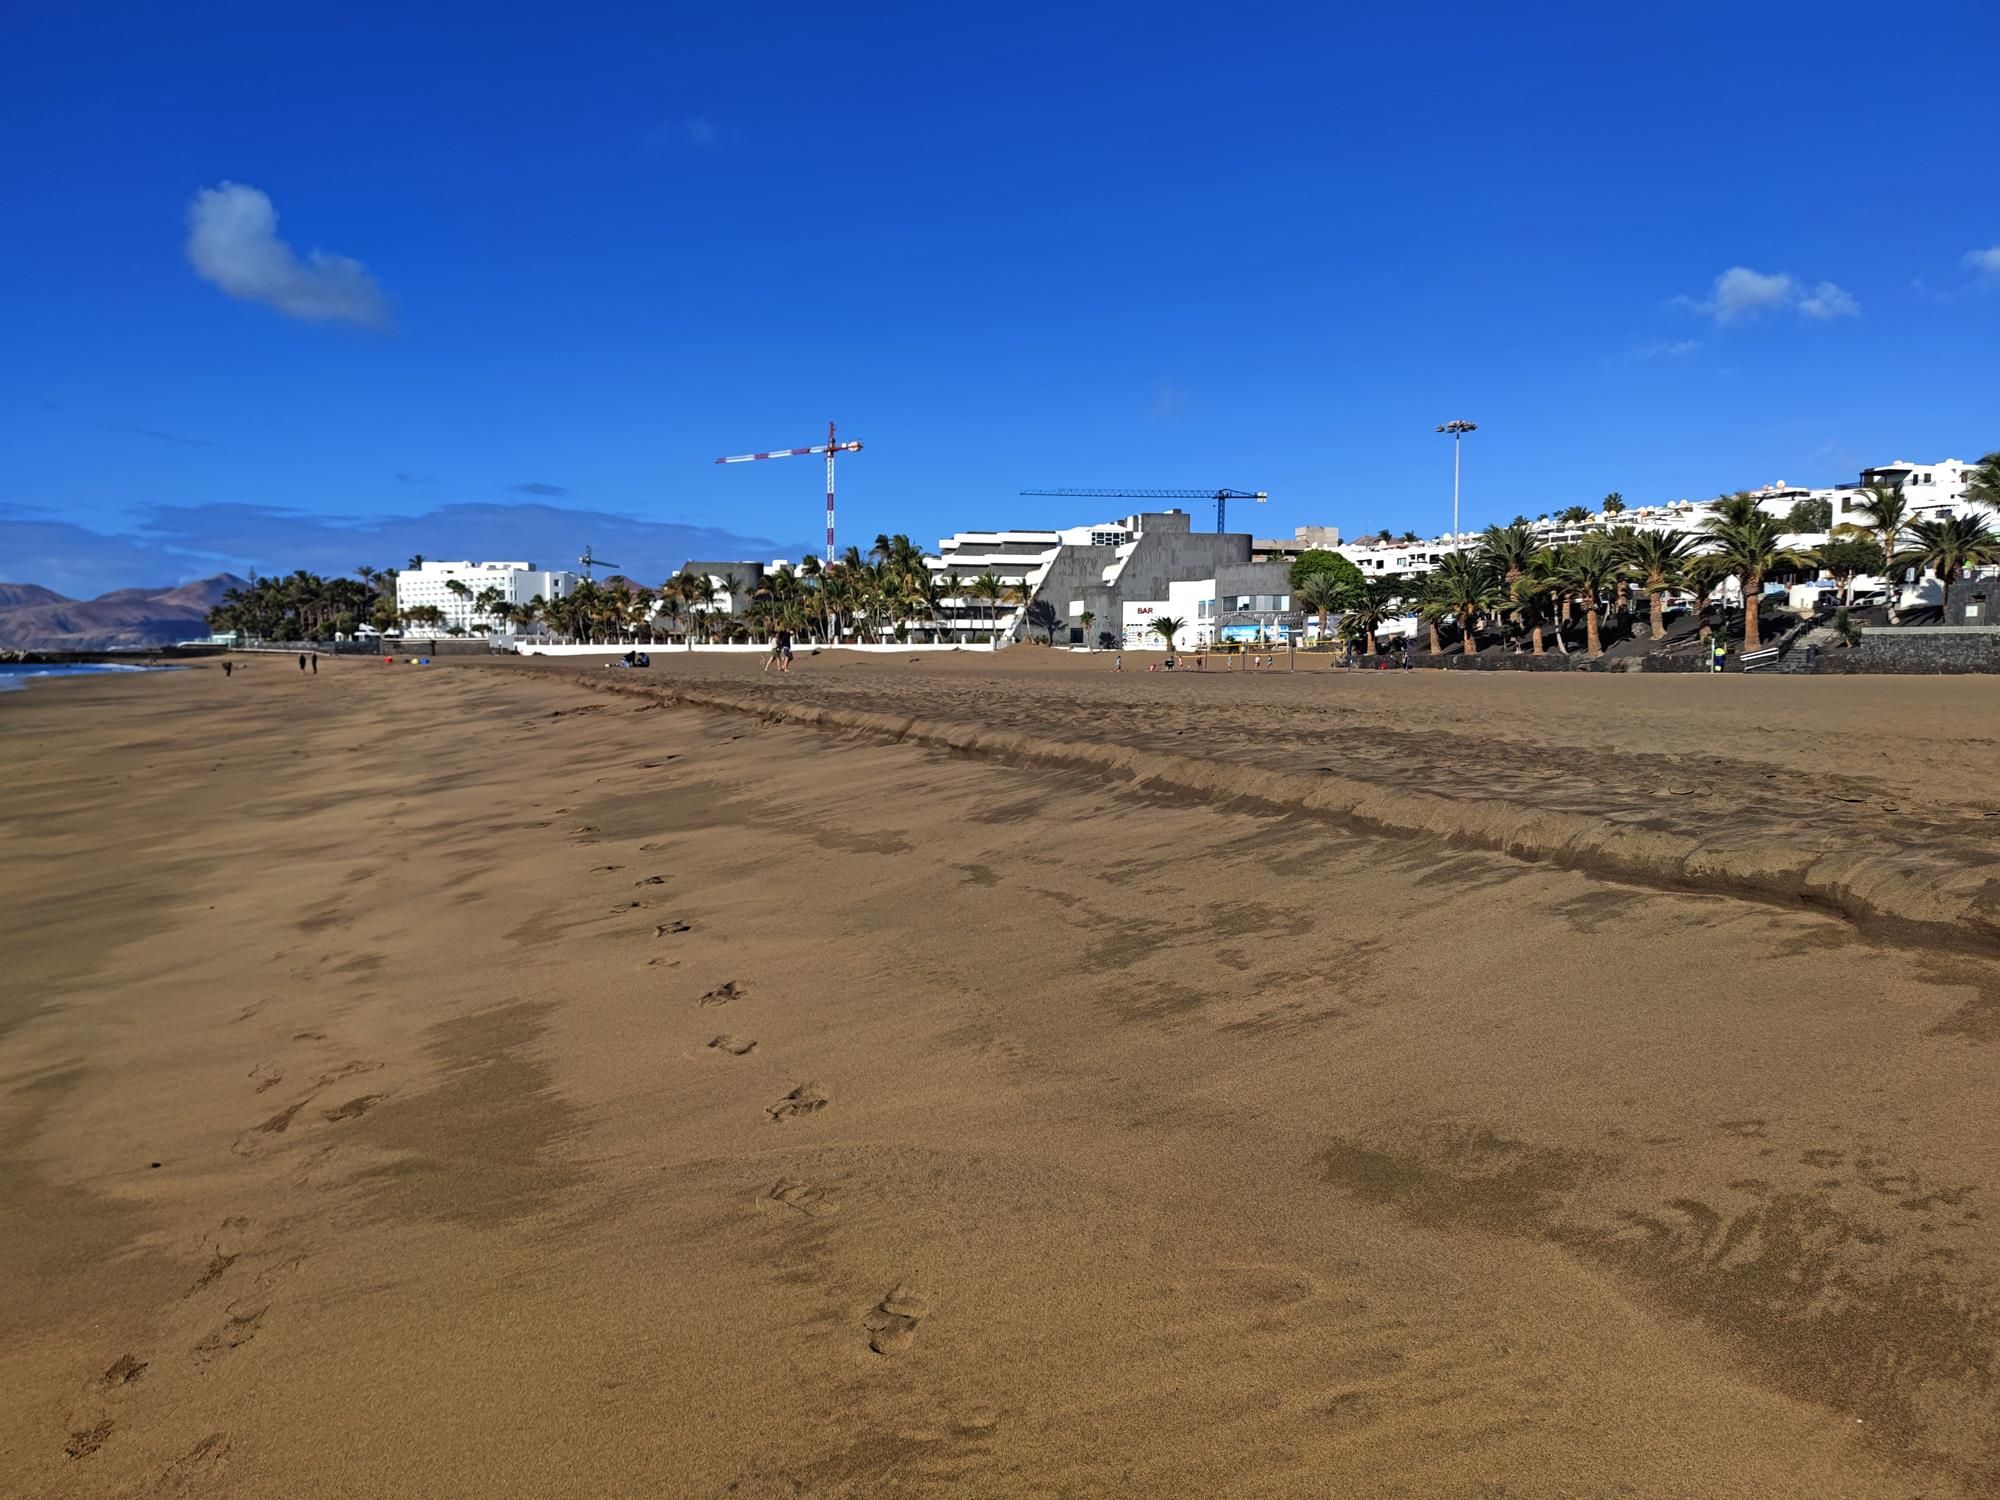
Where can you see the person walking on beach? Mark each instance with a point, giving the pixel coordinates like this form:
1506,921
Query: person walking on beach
315,662
781,651
229,669
302,661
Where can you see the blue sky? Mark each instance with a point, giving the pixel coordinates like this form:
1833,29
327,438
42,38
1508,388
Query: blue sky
563,257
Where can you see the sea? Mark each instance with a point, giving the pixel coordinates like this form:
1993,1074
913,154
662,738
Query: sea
18,674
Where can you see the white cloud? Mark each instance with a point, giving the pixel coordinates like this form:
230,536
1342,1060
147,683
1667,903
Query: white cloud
1985,262
1740,292
233,242
1677,349
1829,301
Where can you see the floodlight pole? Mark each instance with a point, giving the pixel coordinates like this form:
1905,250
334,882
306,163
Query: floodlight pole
1457,430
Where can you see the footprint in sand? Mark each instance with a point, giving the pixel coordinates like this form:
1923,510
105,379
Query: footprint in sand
651,880
806,1099
670,929
353,1109
723,993
892,1323
625,906
217,1264
345,1070
196,1471
735,1046
125,1370
279,1123
234,1334
807,1199
605,869
87,1440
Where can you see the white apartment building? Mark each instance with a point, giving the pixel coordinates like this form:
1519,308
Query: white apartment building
1935,492
516,583
1017,558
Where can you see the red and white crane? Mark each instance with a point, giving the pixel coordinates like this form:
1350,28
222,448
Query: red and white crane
829,448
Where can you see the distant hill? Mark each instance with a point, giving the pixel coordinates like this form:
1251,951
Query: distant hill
33,618
14,594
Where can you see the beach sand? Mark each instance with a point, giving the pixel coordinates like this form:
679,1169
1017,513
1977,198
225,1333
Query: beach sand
466,1082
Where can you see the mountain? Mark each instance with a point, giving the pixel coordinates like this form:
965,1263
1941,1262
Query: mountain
14,594
33,618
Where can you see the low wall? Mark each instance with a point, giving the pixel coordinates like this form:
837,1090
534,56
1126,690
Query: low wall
731,648
1527,661
1918,649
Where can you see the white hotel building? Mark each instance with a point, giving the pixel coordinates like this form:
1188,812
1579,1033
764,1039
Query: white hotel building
517,583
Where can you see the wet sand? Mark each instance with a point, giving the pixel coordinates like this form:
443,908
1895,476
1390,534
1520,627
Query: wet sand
561,1092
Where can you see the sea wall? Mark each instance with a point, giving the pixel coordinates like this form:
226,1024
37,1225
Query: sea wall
1921,649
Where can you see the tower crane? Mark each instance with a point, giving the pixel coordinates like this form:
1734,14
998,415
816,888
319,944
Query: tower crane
587,562
1220,497
829,448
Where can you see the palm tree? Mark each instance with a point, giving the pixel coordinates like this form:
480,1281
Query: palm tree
1885,516
1982,485
1432,613
1507,550
1166,627
1466,586
1747,541
1373,608
696,592
458,590
1533,592
1948,547
988,589
1614,504
1659,560
1703,574
484,601
1089,618
1589,570
1019,595
1322,593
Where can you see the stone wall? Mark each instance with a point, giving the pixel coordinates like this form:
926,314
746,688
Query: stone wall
1946,649
1454,661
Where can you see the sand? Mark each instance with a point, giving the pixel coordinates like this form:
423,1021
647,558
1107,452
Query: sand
467,1082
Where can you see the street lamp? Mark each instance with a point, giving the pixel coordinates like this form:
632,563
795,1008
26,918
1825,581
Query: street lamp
1457,430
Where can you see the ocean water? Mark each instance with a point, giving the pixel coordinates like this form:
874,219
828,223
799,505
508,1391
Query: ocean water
18,674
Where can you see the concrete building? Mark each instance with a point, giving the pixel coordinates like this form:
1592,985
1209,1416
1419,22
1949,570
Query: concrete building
1304,539
516,583
1935,492
1123,574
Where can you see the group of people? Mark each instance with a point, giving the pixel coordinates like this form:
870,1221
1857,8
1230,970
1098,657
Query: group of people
781,652
308,661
